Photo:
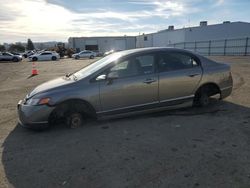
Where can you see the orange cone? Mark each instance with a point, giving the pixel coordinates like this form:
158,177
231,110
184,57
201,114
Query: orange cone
34,70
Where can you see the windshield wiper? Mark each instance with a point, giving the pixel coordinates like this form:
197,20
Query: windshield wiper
71,74
75,77
68,75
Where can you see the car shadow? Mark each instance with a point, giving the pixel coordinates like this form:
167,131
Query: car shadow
178,148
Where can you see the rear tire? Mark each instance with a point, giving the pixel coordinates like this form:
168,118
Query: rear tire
202,98
53,58
91,57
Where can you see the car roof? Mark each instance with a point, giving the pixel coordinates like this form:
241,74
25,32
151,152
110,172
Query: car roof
47,52
8,53
152,49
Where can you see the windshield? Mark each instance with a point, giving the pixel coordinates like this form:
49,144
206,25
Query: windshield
92,68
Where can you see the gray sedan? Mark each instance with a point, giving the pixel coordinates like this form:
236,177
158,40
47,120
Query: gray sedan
6,56
127,82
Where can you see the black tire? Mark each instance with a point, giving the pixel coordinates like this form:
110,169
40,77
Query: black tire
15,59
202,98
53,58
34,59
25,56
77,57
74,119
91,57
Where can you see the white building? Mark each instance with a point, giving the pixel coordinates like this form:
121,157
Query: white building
204,32
227,38
102,44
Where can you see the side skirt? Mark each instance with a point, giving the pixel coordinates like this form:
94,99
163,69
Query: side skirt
148,108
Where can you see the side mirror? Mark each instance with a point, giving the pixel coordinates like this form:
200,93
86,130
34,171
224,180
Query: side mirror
101,77
112,75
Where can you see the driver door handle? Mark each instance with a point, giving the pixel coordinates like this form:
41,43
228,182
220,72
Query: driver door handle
149,81
193,75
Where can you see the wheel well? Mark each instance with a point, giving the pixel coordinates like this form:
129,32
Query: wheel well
82,106
210,88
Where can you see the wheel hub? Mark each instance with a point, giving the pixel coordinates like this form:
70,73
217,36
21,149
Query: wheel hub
76,120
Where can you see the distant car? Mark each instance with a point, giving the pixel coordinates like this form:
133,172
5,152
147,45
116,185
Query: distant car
15,53
109,52
99,54
28,53
6,56
84,54
45,56
127,82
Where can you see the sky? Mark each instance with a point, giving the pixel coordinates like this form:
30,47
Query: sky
57,20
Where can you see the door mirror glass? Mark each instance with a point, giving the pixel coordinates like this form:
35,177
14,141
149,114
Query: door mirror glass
113,75
101,77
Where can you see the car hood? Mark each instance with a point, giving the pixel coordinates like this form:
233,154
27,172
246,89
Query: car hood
52,84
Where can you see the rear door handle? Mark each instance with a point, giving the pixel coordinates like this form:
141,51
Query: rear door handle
149,81
193,75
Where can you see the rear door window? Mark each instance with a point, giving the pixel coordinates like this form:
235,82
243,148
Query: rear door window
46,53
172,61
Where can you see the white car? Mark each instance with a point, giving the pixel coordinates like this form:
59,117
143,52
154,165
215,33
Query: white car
84,53
44,56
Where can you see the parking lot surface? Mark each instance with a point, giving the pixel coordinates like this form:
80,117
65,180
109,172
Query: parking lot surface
193,147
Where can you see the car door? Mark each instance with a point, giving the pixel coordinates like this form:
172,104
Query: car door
86,54
179,75
48,56
81,54
44,56
136,85
7,56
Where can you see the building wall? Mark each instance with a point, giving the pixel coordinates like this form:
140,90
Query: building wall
203,33
142,43
171,38
165,38
219,31
104,43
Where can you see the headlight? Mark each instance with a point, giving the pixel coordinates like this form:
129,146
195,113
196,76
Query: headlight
37,101
32,101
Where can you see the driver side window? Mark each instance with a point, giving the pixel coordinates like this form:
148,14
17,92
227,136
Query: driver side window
6,54
134,66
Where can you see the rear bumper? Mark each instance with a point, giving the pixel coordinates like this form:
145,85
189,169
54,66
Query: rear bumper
225,92
35,117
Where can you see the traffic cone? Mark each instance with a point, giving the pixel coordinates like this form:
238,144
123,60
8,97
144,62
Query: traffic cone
34,70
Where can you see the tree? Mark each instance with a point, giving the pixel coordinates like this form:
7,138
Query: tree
70,52
2,48
61,51
30,45
16,48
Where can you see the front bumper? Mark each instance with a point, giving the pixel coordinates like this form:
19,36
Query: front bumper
35,117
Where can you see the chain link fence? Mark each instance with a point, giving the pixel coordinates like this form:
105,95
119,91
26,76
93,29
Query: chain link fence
239,46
